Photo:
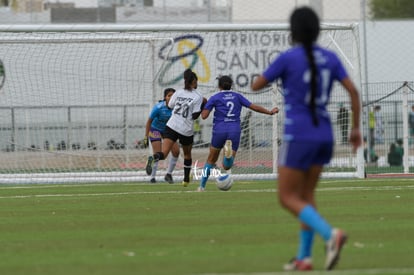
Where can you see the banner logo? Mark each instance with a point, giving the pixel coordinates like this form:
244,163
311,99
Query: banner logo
188,49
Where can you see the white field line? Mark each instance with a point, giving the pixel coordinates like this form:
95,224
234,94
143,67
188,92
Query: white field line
375,271
103,194
63,185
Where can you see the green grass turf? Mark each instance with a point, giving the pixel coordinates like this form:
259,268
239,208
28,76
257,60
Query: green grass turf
138,228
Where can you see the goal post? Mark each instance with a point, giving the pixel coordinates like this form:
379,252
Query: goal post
76,98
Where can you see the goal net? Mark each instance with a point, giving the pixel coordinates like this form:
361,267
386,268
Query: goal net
76,100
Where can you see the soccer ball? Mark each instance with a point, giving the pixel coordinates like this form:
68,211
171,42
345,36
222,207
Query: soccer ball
224,182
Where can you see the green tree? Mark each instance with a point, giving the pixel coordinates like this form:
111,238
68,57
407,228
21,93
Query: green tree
382,9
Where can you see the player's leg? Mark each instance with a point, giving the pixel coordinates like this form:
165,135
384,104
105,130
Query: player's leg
306,234
228,155
156,147
303,258
153,162
337,237
170,137
155,140
300,165
217,141
291,185
175,151
230,149
187,145
166,148
210,163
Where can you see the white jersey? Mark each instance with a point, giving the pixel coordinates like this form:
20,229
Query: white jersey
184,103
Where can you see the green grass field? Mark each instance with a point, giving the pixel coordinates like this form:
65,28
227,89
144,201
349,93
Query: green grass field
138,228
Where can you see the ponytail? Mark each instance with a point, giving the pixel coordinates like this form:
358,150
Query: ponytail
313,82
304,27
189,77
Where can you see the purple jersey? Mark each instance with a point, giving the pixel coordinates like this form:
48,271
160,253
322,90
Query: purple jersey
292,68
228,106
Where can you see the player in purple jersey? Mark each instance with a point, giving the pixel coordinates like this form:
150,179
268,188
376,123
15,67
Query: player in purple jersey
227,106
307,72
154,131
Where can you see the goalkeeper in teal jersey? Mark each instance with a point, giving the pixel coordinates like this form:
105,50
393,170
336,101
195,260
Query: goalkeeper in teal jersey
154,129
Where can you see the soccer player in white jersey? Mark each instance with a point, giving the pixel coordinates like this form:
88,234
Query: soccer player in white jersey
186,107
307,72
227,106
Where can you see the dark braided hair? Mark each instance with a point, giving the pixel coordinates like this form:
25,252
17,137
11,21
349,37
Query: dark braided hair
189,77
225,82
167,91
304,27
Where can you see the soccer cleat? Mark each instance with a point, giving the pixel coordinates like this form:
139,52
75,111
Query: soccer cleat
186,183
228,151
150,163
153,180
300,265
168,178
333,248
200,189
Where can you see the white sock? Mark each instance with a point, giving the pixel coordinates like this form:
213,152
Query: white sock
171,164
154,169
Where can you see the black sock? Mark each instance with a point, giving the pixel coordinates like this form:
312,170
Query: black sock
159,156
187,169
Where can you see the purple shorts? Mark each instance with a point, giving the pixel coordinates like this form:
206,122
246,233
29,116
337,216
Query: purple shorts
154,135
219,139
303,154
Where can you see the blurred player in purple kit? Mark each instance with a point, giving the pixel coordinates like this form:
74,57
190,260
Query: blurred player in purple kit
227,106
307,72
